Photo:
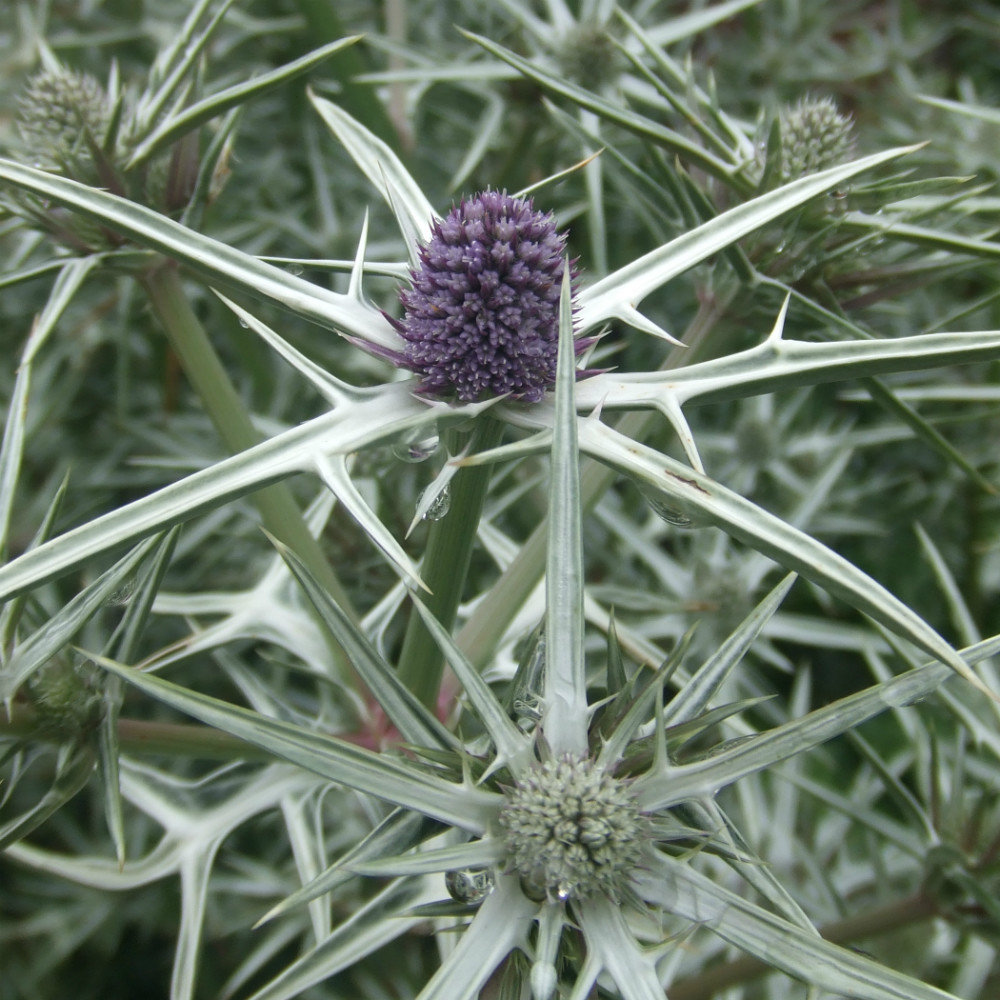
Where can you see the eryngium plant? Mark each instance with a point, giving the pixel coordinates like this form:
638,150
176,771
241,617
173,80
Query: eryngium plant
595,798
576,822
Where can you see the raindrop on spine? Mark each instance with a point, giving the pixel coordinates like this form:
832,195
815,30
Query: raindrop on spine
439,507
123,595
663,510
469,885
414,450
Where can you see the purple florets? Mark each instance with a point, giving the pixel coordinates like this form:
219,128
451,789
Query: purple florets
482,316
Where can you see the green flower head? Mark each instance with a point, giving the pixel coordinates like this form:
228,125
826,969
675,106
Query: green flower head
57,114
814,136
572,830
67,698
588,55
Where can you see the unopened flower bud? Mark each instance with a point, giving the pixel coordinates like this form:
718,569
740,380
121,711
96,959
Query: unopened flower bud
59,111
67,699
573,830
814,136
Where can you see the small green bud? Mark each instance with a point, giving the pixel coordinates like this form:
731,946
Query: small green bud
572,830
588,55
67,699
814,135
57,112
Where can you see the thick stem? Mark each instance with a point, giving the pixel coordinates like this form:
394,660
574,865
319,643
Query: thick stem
203,368
170,739
396,30
871,923
484,629
175,739
445,565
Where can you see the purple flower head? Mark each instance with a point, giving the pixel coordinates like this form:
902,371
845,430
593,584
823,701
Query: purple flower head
482,316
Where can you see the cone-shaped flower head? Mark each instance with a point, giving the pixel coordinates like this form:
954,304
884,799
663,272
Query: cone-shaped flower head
482,316
588,54
68,699
573,830
814,135
57,113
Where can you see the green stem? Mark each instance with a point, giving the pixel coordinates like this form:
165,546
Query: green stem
171,739
445,566
202,366
178,739
871,923
483,631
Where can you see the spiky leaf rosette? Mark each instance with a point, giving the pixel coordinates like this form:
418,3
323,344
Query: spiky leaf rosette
481,316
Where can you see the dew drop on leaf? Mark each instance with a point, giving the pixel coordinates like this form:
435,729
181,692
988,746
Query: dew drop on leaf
469,885
439,507
533,888
413,450
121,597
666,512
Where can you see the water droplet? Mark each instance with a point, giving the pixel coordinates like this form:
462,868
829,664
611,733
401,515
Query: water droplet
665,511
837,200
243,323
295,269
533,888
469,885
439,507
412,450
563,892
121,597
